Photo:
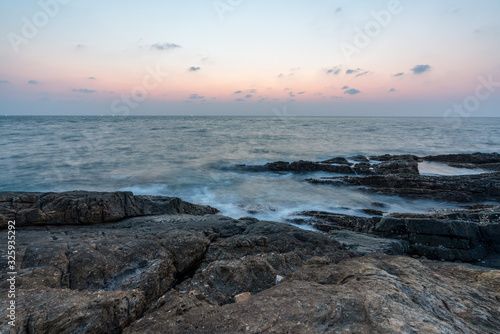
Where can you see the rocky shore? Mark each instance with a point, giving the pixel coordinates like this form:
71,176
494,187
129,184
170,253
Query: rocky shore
91,262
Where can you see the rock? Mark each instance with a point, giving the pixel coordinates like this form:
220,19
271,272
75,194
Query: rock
373,212
488,161
465,235
308,166
101,278
86,208
339,165
462,188
363,168
362,244
179,273
328,221
389,157
337,160
451,240
396,167
242,297
359,158
372,294
474,158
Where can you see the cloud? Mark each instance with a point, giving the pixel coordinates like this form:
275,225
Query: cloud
362,73
3,81
237,92
164,46
338,9
194,69
282,75
333,70
353,71
345,87
196,96
84,91
252,91
80,47
301,92
336,97
392,90
239,100
352,91
398,74
291,94
419,69
91,78
33,82
248,96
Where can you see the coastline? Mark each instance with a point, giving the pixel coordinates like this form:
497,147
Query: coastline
114,262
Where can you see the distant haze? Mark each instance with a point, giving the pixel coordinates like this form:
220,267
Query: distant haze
250,57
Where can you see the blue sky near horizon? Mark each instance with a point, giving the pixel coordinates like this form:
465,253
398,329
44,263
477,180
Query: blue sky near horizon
250,58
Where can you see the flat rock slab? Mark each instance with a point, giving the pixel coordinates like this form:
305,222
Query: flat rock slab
372,294
362,244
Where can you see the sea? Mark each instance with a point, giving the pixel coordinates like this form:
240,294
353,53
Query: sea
194,157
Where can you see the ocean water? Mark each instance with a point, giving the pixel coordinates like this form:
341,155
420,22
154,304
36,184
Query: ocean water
191,157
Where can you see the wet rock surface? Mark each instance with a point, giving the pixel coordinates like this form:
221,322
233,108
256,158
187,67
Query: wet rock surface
117,263
340,165
371,294
213,274
102,277
84,208
469,235
460,188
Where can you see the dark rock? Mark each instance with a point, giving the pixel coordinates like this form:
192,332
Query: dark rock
359,158
340,165
117,271
373,212
179,273
363,168
487,161
474,158
462,188
443,239
362,244
396,167
328,221
389,157
85,208
337,160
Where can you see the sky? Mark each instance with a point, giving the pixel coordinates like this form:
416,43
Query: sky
250,57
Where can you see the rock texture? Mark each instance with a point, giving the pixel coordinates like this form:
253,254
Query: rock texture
462,188
84,208
181,274
340,165
101,278
466,235
372,294
102,263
